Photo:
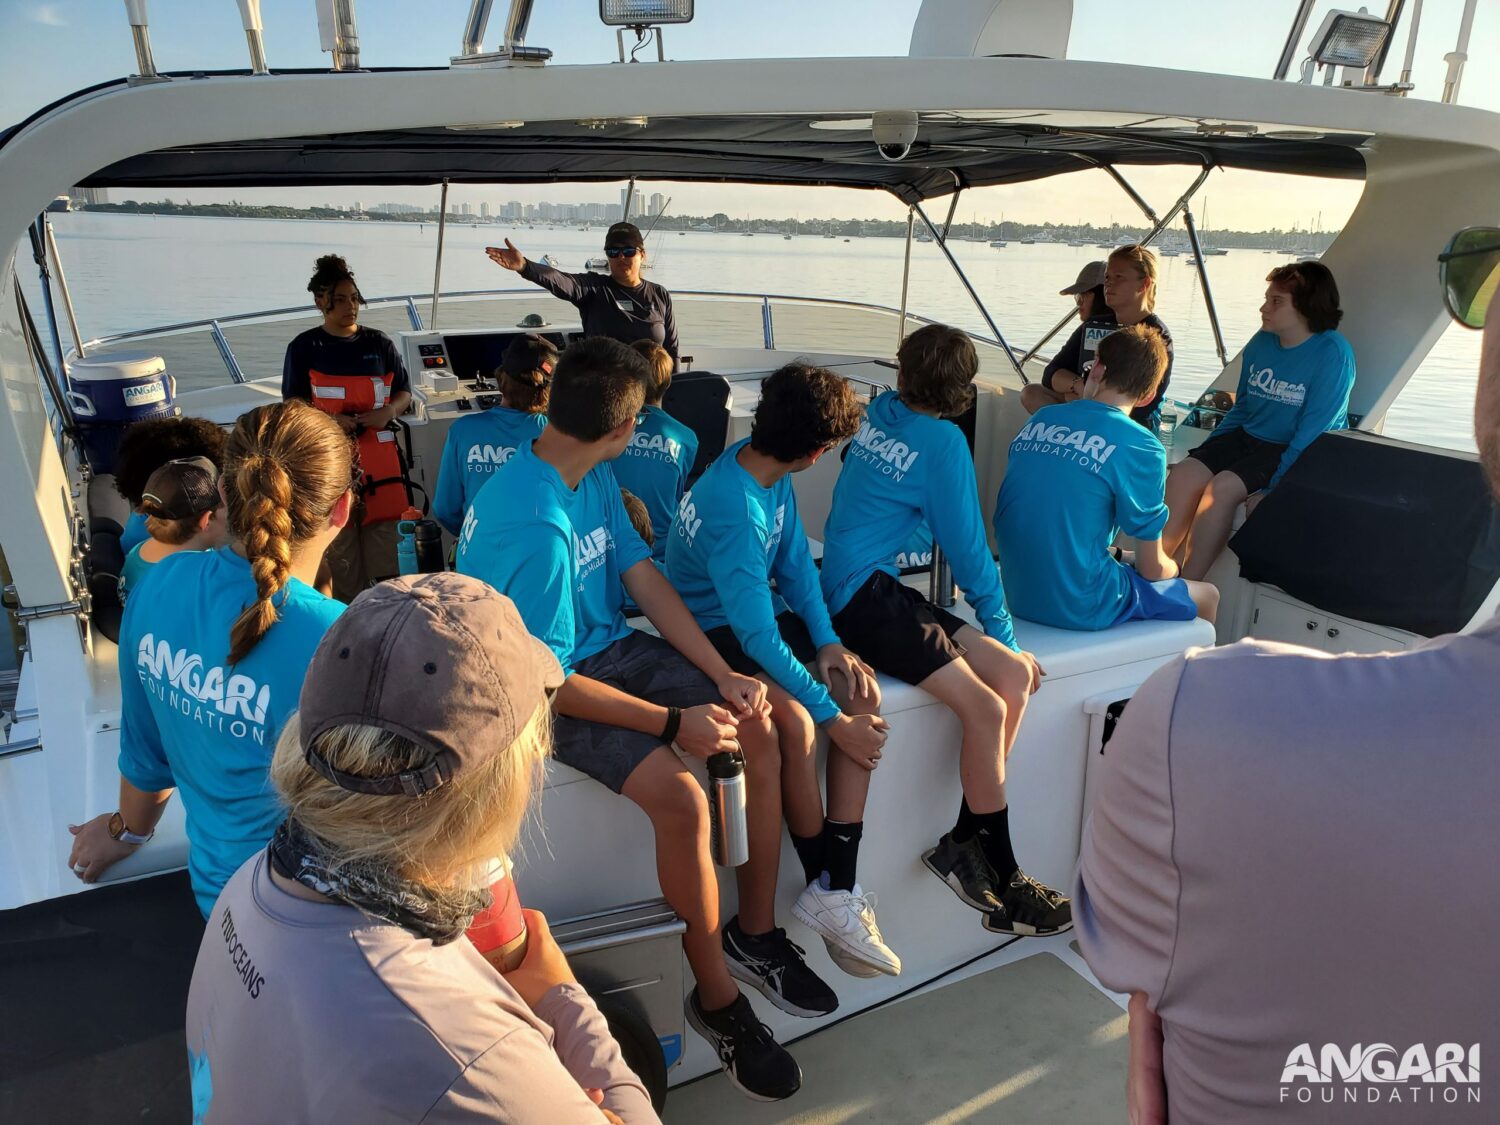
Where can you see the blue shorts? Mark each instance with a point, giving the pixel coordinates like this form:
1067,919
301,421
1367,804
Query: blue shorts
1167,600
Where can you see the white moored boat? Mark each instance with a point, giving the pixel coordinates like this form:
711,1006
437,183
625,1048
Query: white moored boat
1003,104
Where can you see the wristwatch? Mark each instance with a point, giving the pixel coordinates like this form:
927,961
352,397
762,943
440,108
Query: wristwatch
118,831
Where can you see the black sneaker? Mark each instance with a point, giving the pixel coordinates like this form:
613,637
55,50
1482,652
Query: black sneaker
1029,909
749,1054
773,964
966,871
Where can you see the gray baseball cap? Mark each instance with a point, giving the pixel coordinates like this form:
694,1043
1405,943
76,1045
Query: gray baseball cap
1090,277
441,659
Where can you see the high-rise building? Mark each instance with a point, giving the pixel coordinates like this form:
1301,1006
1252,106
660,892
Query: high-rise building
657,202
624,203
466,209
484,210
88,196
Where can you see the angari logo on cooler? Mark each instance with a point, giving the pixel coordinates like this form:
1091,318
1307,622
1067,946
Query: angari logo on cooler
1377,1073
224,701
145,394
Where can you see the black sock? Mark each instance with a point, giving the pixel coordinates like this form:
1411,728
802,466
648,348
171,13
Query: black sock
967,824
841,853
809,850
994,838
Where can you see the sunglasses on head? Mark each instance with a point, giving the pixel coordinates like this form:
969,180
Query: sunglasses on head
621,251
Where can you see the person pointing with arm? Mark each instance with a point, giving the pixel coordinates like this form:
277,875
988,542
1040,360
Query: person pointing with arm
620,305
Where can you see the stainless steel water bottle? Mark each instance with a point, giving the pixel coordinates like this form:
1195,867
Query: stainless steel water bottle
729,838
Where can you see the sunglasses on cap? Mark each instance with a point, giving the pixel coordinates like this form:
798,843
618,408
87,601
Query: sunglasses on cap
621,251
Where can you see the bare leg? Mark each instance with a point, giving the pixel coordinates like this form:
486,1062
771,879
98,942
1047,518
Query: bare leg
1185,484
1212,527
1003,672
757,875
796,735
1034,396
1205,596
848,781
982,714
674,801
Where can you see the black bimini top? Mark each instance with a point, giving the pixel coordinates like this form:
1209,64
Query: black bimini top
766,149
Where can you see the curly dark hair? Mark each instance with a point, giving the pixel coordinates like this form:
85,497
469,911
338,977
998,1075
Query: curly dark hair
936,368
328,273
803,409
149,445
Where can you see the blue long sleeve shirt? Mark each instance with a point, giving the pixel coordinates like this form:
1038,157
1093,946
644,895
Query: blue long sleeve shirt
730,538
558,553
192,721
904,467
476,446
655,466
1291,395
1079,474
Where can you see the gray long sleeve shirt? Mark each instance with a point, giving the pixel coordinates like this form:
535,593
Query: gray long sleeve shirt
608,308
305,1011
1293,856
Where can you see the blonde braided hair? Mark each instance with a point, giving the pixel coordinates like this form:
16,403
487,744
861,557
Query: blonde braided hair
286,466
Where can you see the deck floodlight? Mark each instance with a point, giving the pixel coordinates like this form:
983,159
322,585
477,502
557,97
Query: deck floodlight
1351,39
644,13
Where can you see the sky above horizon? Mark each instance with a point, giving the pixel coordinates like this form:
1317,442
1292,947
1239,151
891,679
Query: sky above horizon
49,50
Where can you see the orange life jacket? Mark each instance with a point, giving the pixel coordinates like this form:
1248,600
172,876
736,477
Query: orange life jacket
383,487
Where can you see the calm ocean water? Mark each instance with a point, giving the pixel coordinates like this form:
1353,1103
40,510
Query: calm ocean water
137,271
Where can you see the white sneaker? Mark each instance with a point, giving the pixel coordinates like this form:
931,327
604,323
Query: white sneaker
845,920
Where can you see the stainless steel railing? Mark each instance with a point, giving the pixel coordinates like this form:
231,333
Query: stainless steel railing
214,327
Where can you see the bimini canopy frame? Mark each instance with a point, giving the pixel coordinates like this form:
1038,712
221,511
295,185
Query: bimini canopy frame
952,153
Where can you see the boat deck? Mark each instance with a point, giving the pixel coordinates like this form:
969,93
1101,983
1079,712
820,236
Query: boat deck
1027,1040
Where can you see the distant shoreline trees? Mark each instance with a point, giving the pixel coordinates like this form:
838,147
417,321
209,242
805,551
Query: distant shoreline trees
1010,230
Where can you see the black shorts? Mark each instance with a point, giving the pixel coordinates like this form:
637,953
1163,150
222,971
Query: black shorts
1254,461
897,630
648,668
793,632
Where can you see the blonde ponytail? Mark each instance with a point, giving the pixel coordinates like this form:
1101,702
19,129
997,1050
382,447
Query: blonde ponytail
286,466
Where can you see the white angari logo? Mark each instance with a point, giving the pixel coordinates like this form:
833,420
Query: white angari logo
1088,450
228,702
892,457
486,458
1378,1073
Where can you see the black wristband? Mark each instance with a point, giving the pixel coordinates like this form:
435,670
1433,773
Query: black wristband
674,722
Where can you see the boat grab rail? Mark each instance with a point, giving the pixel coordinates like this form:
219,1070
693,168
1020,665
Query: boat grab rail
214,325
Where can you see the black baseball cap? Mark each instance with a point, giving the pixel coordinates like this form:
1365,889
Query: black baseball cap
624,234
182,489
527,354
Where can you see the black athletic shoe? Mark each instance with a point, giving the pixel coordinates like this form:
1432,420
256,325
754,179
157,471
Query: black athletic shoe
1029,909
966,871
749,1054
773,964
